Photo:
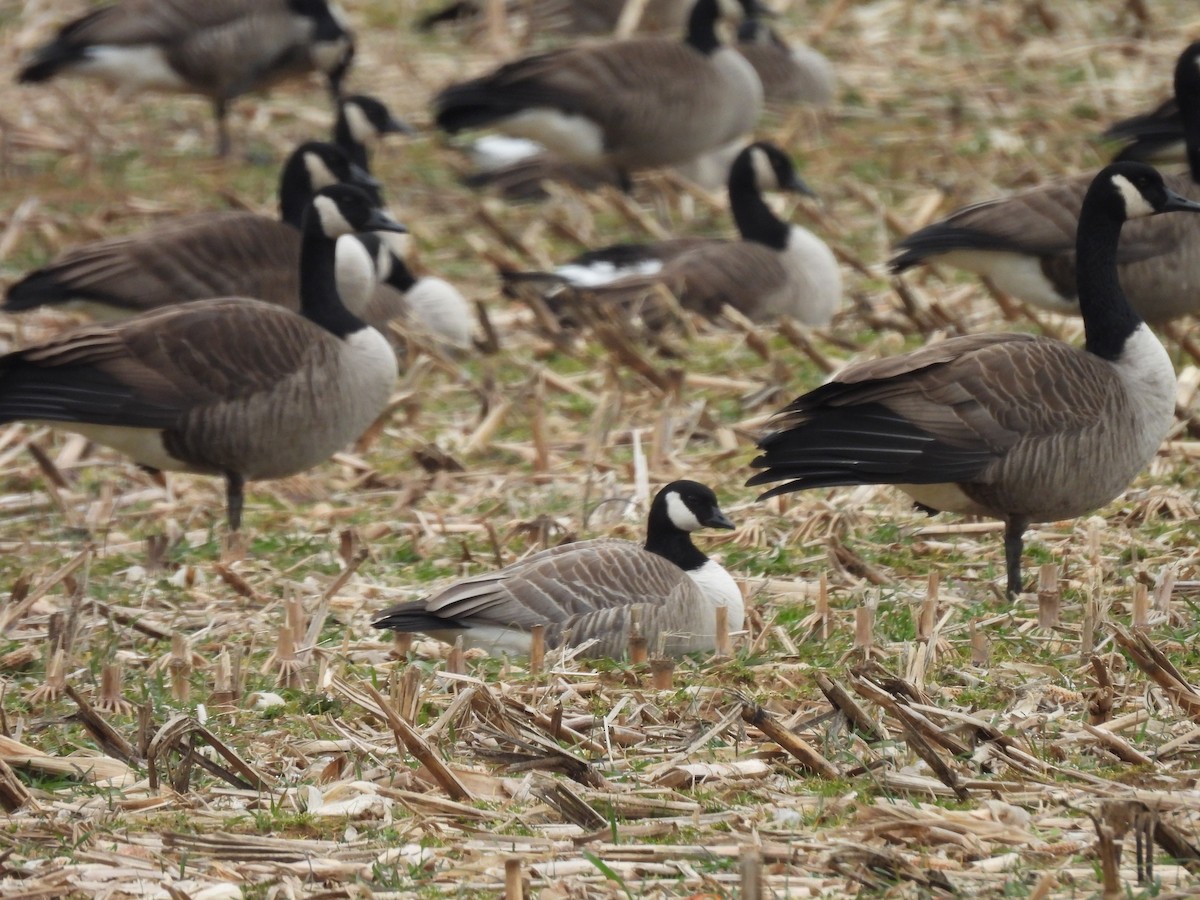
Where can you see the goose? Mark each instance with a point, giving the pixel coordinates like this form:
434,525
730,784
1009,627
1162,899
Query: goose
361,121
218,48
572,16
525,172
1024,244
631,104
776,269
1155,136
789,75
432,304
232,387
1018,427
194,257
591,589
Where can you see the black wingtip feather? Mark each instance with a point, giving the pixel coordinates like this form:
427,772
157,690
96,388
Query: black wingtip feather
35,289
411,618
823,445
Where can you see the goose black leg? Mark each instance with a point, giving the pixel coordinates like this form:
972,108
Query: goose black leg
234,499
1014,531
219,111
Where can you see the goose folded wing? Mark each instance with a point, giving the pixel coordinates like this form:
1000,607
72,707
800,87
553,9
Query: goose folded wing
945,413
223,254
1041,221
554,585
150,371
154,21
238,55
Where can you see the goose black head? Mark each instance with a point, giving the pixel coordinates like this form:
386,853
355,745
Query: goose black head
346,209
774,170
1141,190
688,506
366,119
333,41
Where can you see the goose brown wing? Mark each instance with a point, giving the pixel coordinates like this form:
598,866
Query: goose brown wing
601,83
155,369
157,21
703,277
227,254
945,413
235,56
1041,221
552,586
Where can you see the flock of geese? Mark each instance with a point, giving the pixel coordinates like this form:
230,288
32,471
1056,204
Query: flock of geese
247,347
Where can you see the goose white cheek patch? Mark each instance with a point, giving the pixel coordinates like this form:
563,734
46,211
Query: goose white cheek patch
333,223
682,517
318,173
1136,205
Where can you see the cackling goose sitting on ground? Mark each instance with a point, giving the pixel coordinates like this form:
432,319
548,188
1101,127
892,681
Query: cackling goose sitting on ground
1024,245
195,257
589,590
775,270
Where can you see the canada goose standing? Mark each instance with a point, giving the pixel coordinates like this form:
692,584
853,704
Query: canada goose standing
194,257
232,387
775,270
361,121
592,589
1024,245
631,104
218,48
432,304
1014,426
789,75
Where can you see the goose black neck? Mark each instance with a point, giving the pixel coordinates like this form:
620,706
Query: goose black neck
295,193
754,219
1187,97
702,27
319,298
674,545
349,144
401,276
1108,319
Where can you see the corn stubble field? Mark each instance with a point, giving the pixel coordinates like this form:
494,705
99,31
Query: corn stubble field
179,723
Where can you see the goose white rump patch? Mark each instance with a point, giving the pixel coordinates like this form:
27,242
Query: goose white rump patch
575,137
603,272
1015,274
134,67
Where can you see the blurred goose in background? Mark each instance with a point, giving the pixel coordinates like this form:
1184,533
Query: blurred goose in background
362,121
1017,427
220,49
591,590
789,75
1155,136
775,270
195,257
1024,245
629,104
431,304
231,387
570,16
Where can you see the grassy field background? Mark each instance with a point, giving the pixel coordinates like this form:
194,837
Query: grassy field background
264,740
